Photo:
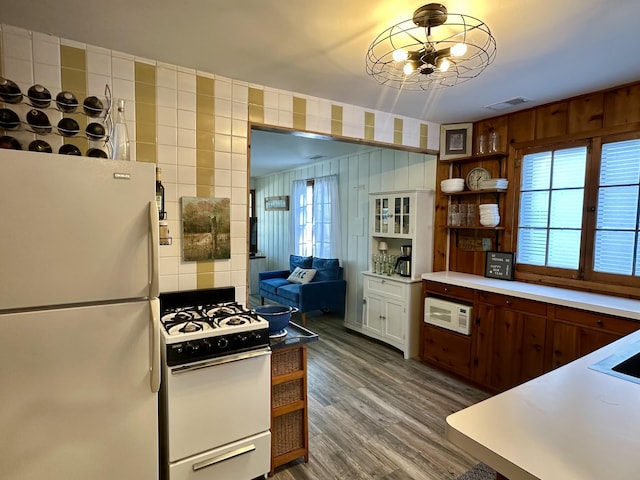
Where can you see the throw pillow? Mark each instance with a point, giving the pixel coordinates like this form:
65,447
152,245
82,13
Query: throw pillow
301,275
327,269
299,261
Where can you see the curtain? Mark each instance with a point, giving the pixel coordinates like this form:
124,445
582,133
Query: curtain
326,218
315,222
299,218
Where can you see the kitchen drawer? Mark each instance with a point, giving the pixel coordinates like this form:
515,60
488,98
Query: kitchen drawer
596,320
447,290
385,287
247,458
449,350
514,303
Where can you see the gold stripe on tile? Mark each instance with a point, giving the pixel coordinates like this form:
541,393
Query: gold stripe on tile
73,76
424,135
205,280
397,131
256,105
299,113
369,125
146,116
205,160
336,120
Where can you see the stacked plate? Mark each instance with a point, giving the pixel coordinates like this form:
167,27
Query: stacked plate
493,183
489,214
452,185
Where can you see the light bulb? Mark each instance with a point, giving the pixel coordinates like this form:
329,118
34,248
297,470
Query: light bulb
408,68
443,65
400,55
459,49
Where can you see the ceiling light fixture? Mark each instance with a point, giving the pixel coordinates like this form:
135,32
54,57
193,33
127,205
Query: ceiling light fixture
432,50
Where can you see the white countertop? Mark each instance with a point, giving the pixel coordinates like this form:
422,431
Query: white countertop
572,423
621,307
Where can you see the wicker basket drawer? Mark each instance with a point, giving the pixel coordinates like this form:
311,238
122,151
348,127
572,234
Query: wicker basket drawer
287,393
288,433
286,361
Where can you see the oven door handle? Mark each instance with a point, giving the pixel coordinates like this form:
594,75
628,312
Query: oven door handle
221,361
222,458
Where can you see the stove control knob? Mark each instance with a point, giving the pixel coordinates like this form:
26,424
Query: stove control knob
206,344
223,342
189,348
241,338
256,336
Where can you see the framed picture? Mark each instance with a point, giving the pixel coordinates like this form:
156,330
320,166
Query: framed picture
455,140
276,203
206,228
499,265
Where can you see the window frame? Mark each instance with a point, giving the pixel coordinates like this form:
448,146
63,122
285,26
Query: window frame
585,272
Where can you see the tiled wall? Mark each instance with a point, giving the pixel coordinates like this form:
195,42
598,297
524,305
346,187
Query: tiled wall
194,125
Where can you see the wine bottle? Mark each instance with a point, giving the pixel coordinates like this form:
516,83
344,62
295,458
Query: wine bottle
159,193
120,135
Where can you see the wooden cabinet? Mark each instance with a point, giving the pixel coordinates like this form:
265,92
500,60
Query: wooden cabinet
514,339
575,333
391,311
289,427
447,349
509,340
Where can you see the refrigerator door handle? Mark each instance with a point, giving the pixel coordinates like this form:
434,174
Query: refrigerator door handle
154,230
154,371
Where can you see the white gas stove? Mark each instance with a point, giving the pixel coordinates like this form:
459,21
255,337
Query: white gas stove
215,390
196,333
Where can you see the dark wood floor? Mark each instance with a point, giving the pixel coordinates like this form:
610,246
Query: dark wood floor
374,415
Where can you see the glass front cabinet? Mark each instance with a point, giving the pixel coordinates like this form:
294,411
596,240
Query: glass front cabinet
392,215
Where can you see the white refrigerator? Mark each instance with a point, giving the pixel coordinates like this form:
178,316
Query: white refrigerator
79,318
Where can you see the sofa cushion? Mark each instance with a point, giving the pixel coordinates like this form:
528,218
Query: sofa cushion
326,269
271,285
302,275
290,291
299,261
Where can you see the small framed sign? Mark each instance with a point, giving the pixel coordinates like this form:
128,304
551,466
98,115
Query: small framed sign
499,265
276,203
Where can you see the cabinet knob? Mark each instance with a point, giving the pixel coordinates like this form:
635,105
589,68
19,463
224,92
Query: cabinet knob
600,322
508,302
446,289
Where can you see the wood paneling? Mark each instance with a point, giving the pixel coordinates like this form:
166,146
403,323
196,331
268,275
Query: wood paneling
611,111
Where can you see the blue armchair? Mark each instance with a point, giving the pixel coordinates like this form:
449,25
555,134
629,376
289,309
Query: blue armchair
325,291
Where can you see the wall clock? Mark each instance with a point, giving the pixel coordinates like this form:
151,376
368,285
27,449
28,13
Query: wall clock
475,175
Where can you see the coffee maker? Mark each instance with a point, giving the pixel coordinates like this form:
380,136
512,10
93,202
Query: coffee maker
403,264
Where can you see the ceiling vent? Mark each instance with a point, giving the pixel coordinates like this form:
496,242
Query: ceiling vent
316,157
512,102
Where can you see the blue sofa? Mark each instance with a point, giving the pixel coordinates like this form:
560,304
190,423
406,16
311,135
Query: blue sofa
326,291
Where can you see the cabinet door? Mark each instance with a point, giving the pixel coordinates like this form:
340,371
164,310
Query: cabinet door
373,321
509,347
395,318
573,341
402,215
381,215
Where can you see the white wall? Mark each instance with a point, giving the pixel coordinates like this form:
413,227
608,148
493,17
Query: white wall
358,175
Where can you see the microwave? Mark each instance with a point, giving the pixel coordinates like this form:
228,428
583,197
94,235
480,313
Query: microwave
449,315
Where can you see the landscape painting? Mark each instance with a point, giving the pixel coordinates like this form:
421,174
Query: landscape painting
206,224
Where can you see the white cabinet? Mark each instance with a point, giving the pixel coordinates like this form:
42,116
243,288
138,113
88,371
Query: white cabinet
391,311
403,218
391,303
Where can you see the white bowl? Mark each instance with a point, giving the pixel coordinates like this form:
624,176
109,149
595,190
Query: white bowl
451,185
